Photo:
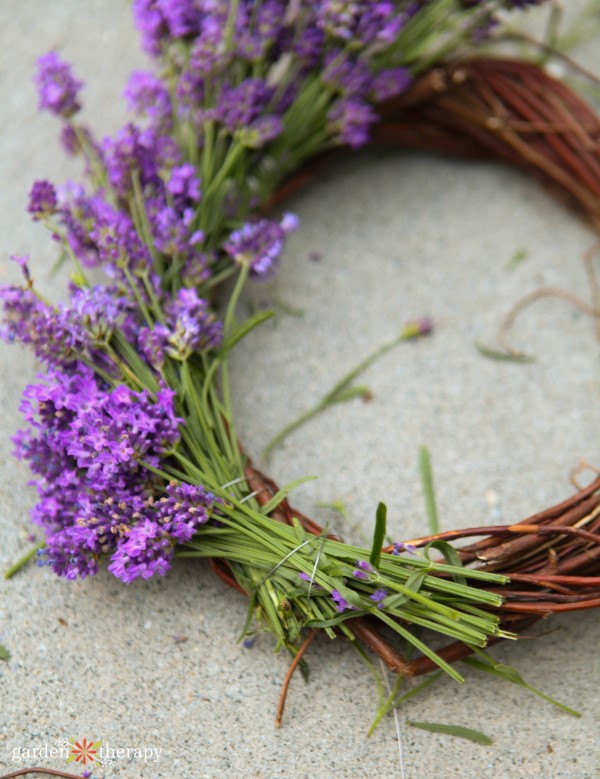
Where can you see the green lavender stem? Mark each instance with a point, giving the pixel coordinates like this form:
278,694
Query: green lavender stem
342,391
428,490
22,561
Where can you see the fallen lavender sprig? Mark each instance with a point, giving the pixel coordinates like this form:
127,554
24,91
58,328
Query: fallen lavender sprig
130,434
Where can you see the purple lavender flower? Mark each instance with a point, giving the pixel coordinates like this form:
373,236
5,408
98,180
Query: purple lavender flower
241,105
30,321
171,229
151,343
63,334
366,21
259,244
389,83
351,77
140,152
253,41
378,596
184,183
309,579
380,23
192,326
151,23
350,120
183,510
363,569
57,87
109,438
341,603
308,47
207,54
99,233
69,140
183,17
95,311
42,200
66,557
146,551
84,445
18,305
197,268
399,548
147,95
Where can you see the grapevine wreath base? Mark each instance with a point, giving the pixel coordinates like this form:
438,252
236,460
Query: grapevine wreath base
513,111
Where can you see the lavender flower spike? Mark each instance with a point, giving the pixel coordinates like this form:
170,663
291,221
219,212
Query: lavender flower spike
363,570
42,200
341,603
58,88
259,244
418,327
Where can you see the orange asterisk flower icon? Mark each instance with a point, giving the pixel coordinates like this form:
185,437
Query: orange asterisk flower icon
83,751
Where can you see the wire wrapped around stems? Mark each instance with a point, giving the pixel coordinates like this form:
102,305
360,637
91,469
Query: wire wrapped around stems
514,111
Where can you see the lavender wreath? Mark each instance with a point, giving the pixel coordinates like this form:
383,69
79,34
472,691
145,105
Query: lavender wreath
130,435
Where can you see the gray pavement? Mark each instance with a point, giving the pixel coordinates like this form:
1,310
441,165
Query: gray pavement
399,235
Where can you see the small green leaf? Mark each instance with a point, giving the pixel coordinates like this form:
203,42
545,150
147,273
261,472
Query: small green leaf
327,623
415,580
428,489
299,530
396,701
243,330
283,492
517,258
510,674
252,603
4,653
497,354
453,730
378,534
288,308
450,555
350,394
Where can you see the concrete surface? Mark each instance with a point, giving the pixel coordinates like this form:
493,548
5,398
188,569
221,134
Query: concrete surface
399,236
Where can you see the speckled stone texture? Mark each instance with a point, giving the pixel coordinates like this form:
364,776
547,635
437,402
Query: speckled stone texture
398,235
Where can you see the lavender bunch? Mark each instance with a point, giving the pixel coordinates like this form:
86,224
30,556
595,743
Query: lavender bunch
130,435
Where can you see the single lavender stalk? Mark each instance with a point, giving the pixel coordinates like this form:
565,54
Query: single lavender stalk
342,391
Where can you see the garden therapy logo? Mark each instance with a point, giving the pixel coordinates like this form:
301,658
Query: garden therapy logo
84,751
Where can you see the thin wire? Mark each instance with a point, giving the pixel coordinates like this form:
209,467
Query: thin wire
285,559
384,674
251,495
234,481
